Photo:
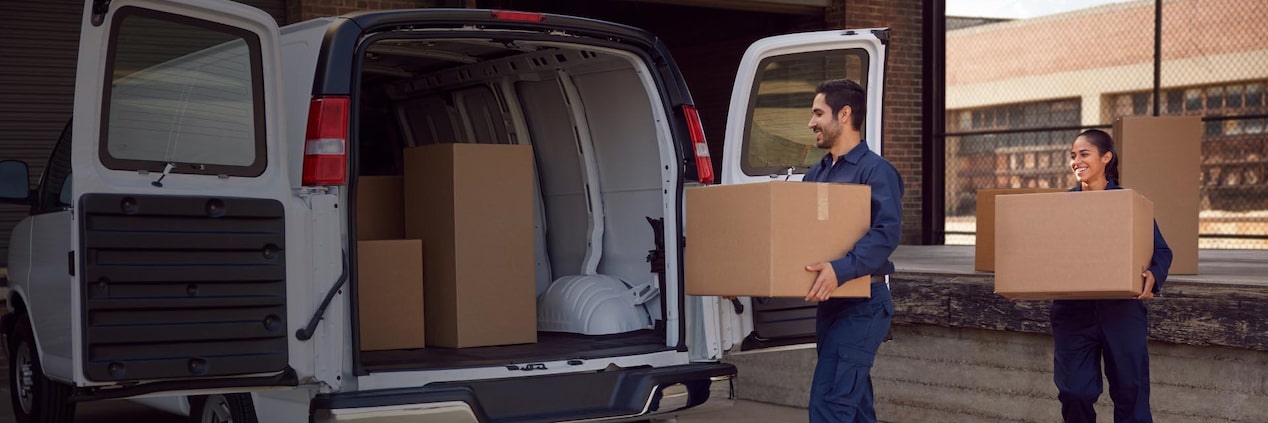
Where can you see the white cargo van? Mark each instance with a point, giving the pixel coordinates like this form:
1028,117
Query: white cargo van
194,232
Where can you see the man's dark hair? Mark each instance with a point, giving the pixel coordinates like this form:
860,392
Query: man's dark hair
1104,144
839,93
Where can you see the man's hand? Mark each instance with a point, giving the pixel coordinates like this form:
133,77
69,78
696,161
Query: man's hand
825,284
1148,276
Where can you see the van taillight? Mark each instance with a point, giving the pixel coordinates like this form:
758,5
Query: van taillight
507,15
704,166
326,143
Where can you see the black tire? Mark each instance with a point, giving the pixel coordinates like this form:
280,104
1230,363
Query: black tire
222,408
35,398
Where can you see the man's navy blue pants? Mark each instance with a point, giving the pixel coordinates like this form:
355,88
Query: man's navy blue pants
1084,332
848,331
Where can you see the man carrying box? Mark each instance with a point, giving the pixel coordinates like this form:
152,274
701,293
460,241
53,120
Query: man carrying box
849,331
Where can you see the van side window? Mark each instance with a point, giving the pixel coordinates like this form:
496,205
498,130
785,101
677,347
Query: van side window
50,195
776,137
185,92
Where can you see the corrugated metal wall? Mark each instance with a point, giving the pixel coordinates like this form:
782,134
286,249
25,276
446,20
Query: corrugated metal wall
39,42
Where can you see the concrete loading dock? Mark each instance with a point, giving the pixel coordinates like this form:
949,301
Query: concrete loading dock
963,354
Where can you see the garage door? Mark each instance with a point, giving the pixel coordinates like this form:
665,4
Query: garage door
39,45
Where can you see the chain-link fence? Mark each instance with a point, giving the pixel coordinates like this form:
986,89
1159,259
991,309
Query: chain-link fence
1019,91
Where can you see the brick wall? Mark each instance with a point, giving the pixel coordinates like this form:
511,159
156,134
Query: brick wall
903,85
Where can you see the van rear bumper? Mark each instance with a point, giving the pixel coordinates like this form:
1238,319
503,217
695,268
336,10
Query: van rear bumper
614,395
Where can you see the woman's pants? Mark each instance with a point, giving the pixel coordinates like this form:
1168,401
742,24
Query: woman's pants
1084,332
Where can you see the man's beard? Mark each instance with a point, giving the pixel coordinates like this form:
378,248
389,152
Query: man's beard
829,137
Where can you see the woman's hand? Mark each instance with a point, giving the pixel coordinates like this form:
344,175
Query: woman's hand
1149,285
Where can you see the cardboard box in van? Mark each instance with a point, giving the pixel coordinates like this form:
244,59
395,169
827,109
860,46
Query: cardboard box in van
380,208
472,205
1162,160
390,294
984,245
756,239
1072,245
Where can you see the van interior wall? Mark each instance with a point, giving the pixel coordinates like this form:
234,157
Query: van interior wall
616,113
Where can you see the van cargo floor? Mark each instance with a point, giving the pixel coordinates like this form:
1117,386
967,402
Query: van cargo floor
550,346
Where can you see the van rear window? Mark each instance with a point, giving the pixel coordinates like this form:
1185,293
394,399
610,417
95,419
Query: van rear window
776,137
184,92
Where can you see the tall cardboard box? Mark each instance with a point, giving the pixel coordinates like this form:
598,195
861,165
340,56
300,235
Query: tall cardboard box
1072,245
757,239
1161,159
472,205
380,208
984,246
390,294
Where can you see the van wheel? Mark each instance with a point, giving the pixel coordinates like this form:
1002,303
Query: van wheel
221,408
36,398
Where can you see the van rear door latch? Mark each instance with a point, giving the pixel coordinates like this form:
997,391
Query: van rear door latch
527,367
99,9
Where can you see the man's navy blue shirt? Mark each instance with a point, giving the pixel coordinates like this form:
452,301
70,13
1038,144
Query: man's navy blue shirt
870,255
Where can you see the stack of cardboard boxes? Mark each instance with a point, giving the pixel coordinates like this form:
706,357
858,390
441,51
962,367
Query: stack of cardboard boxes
389,269
446,253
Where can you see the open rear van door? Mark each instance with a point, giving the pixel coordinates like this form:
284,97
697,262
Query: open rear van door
767,138
178,254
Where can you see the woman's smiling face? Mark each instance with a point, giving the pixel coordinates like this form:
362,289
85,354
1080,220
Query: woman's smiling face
1087,162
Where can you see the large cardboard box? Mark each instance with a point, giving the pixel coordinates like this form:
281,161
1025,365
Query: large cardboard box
390,294
380,208
757,239
1161,159
472,205
1072,245
984,246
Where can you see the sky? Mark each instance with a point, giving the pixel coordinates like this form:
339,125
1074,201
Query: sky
1018,9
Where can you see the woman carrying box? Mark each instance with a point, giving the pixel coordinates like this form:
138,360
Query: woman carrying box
1085,330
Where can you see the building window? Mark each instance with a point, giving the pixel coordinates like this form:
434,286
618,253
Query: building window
1234,152
992,154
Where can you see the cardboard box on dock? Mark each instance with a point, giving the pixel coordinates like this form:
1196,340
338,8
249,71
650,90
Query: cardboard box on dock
1161,159
472,205
984,245
1072,245
390,294
756,239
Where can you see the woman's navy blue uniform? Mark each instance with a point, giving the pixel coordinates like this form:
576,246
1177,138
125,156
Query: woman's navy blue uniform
849,331
1084,331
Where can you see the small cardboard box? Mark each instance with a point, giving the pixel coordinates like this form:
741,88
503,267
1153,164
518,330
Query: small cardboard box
757,239
380,208
390,294
1162,161
472,205
984,246
1072,245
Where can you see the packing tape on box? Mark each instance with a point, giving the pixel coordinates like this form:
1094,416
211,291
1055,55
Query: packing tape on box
822,197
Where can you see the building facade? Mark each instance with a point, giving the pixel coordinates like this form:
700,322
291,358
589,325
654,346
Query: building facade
1019,92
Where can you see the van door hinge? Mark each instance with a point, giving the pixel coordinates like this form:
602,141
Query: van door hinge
70,262
99,10
883,35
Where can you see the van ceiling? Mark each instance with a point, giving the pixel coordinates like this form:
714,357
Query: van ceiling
407,58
